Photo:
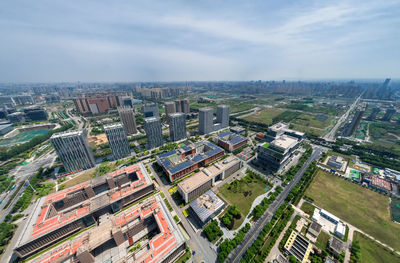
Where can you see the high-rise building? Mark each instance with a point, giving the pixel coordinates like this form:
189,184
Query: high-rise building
185,106
389,114
73,150
178,106
126,101
128,119
151,110
170,107
206,120
96,103
152,127
223,115
118,140
177,126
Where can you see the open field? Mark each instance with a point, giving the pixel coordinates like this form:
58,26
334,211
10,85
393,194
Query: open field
386,135
236,105
265,116
322,240
242,193
372,252
359,206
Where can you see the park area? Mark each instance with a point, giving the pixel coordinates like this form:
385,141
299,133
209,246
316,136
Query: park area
372,252
242,193
361,207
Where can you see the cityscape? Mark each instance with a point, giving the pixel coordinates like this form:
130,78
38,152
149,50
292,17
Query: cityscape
183,165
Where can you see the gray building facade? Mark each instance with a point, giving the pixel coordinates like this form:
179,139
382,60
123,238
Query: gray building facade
151,110
152,127
169,107
177,126
127,118
223,115
117,140
73,150
206,120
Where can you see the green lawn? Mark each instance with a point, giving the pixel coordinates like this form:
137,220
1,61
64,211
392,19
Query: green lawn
265,116
359,206
243,194
322,240
308,208
372,252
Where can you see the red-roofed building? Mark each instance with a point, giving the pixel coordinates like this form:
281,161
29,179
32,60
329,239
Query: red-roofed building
61,214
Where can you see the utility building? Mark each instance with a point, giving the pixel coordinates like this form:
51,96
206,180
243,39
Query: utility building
118,140
73,149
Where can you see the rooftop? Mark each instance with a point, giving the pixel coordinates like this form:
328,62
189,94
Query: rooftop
206,205
231,137
71,204
284,142
336,245
206,174
169,235
67,133
113,126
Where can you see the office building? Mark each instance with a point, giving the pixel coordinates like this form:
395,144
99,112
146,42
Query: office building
150,110
373,114
170,107
127,118
152,127
182,106
117,140
337,162
223,115
195,185
206,120
230,141
60,215
349,128
17,117
177,126
280,129
126,101
5,128
73,150
178,163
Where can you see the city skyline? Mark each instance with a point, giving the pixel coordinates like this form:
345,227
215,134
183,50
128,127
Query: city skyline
149,41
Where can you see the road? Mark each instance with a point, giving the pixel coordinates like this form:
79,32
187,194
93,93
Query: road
330,136
196,242
251,236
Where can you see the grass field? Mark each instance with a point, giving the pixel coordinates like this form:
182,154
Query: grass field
372,252
243,195
359,206
265,116
322,240
308,208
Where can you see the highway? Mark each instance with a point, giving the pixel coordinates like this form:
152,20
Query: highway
330,136
236,255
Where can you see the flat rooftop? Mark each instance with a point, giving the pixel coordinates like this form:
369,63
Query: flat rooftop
113,126
74,203
231,137
284,142
206,174
67,133
206,205
173,161
157,249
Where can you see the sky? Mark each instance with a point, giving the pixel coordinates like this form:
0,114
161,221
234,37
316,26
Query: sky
102,41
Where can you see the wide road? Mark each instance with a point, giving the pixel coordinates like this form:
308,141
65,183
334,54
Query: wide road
330,136
237,254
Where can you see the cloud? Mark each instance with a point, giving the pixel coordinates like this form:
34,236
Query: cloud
206,40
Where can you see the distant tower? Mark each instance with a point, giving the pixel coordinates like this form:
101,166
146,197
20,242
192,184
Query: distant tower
185,106
170,108
178,107
177,126
151,110
223,115
128,119
118,140
73,150
152,126
205,120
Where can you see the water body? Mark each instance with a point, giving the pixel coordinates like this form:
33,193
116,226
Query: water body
22,137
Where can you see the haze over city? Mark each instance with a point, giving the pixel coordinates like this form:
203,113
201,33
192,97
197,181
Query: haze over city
54,41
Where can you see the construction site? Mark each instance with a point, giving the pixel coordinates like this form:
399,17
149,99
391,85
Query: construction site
58,216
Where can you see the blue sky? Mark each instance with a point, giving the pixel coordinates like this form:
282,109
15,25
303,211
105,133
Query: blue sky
52,41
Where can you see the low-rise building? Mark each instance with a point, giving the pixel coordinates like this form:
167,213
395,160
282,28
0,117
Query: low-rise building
340,230
336,162
237,129
230,141
298,246
336,246
5,128
207,206
200,182
181,162
314,229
